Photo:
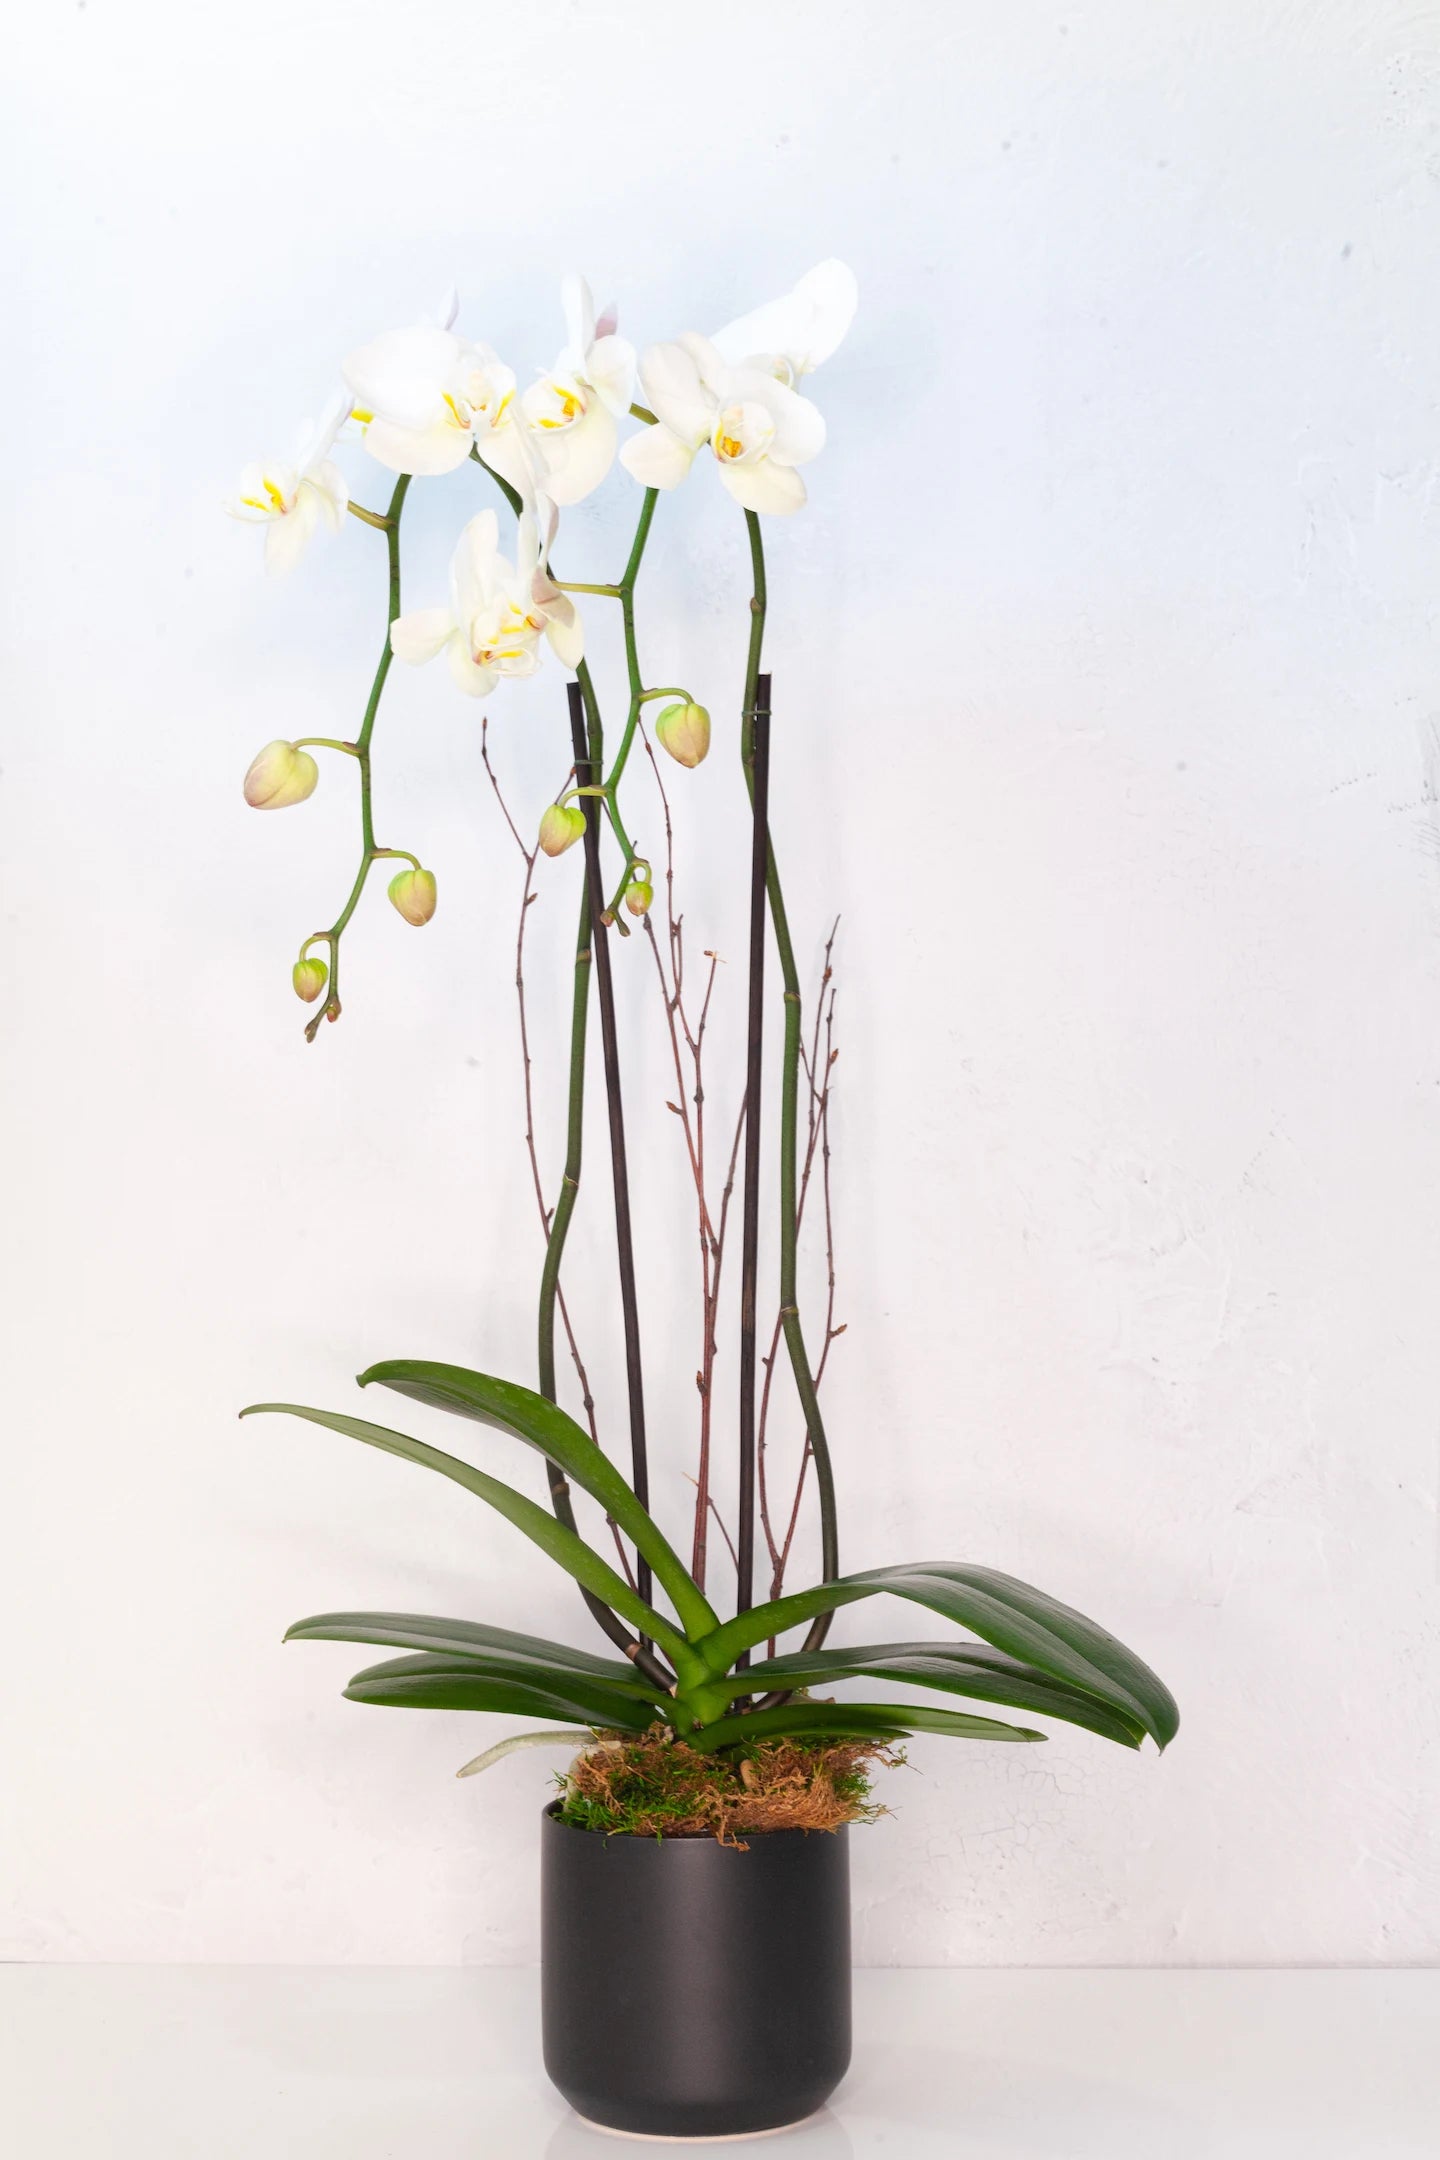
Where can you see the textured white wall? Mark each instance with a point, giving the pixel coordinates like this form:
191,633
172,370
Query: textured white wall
1107,714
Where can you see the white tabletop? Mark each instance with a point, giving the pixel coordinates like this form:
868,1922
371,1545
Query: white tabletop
298,2063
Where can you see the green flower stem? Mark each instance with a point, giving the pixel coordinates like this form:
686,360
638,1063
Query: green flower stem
324,742
574,1146
560,1499
606,592
626,595
360,749
369,517
789,1119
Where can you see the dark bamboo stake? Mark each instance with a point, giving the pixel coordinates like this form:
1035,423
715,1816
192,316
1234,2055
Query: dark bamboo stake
560,1499
750,1217
588,774
789,1087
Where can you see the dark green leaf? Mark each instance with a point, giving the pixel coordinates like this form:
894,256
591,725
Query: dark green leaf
853,1721
436,1683
972,1669
562,1545
1012,1615
469,1638
541,1424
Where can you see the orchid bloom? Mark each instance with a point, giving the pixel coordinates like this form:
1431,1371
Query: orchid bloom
759,430
737,392
290,499
572,410
426,397
497,615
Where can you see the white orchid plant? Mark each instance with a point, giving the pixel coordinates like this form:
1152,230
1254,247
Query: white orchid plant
423,401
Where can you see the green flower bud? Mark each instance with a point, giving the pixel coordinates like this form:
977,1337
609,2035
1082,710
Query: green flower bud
562,825
684,730
638,896
309,978
279,776
412,894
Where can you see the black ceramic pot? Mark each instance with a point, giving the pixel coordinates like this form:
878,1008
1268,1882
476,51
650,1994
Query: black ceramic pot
690,1990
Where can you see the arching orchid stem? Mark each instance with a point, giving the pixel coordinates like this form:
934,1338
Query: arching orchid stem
369,517
759,775
589,765
360,750
560,1498
815,1437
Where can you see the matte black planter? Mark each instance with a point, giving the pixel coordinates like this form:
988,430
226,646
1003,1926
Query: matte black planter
690,1990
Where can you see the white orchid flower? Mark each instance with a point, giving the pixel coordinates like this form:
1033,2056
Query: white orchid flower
426,397
572,410
290,499
791,337
497,614
758,429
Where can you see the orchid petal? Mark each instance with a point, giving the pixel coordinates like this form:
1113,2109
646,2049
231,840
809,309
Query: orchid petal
710,364
578,307
467,674
332,495
799,425
675,393
772,489
286,537
804,328
510,451
610,371
657,458
321,438
564,630
417,637
265,492
424,451
400,375
581,456
444,315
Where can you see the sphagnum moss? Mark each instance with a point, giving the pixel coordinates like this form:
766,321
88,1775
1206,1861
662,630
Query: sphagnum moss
656,1786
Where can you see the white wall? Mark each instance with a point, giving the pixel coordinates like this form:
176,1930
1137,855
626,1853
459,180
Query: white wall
1107,714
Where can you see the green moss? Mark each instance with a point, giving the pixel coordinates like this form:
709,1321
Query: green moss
656,1786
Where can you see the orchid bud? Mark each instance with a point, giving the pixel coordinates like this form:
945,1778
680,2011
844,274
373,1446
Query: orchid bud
279,776
309,978
684,730
638,896
412,894
562,825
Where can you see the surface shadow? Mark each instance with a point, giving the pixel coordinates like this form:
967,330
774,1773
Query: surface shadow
823,2137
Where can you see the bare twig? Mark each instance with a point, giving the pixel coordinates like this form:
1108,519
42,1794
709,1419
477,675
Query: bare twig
819,1080
528,856
687,1047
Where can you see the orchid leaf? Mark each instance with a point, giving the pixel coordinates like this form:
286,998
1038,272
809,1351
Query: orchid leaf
470,1639
1011,1615
537,1523
972,1669
437,1683
851,1721
542,1424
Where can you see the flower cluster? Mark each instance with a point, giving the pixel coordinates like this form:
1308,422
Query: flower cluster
424,400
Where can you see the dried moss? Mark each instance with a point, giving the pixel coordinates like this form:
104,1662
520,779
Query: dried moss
656,1786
